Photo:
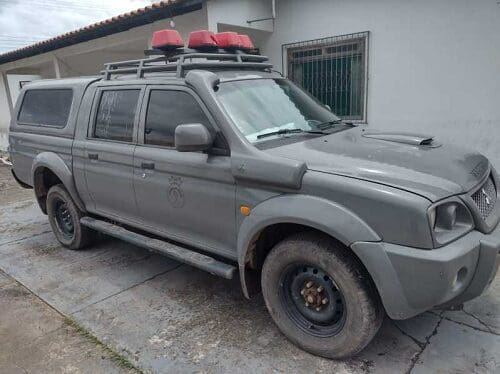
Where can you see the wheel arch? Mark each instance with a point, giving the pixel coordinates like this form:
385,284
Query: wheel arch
287,214
49,169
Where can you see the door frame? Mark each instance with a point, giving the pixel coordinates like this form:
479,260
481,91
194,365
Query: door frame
141,143
89,139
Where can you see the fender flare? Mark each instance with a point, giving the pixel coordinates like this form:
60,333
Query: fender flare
318,213
55,164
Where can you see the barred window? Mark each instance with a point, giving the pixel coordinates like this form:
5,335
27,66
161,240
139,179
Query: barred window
333,70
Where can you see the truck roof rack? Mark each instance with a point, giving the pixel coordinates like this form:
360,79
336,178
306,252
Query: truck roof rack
187,59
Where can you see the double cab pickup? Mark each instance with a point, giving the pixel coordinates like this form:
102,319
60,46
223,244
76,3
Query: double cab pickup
205,154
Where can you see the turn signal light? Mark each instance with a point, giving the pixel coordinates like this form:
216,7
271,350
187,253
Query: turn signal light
245,210
167,39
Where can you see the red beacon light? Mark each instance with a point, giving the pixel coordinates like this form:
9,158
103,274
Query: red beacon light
167,40
202,39
227,40
246,43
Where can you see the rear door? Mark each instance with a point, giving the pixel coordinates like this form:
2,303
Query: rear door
109,150
187,196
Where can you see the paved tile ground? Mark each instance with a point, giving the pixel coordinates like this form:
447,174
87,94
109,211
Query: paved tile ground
166,317
34,338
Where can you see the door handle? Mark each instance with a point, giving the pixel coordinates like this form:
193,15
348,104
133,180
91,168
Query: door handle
93,156
148,165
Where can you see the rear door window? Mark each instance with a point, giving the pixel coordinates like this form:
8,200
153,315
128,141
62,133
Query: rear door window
48,108
116,115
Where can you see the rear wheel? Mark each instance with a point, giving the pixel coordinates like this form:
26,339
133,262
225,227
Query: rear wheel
64,218
320,296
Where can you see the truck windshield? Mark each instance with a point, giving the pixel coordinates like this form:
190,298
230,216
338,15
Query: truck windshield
268,108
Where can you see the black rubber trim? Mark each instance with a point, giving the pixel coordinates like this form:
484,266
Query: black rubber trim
22,184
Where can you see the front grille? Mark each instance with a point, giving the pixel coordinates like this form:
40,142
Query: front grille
486,198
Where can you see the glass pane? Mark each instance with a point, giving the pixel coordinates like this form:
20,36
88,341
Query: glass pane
46,107
115,116
166,111
266,105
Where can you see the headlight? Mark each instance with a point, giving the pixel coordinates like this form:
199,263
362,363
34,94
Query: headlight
449,220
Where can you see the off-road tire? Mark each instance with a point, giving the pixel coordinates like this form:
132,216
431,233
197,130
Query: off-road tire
81,236
363,313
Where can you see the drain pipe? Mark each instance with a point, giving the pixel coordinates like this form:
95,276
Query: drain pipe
273,14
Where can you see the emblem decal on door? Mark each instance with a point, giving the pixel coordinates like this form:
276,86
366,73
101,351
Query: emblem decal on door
175,194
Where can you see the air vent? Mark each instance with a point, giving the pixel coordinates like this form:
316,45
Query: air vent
411,139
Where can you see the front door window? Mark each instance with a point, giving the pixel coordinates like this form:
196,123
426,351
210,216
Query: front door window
166,111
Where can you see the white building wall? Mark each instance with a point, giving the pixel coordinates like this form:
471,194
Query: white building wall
238,13
15,80
434,65
4,116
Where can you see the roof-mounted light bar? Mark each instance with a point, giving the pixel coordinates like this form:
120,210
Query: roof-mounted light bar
203,40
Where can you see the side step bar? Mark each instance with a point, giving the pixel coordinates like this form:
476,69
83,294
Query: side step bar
176,252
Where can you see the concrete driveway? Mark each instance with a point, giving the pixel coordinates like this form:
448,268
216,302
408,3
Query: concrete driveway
167,317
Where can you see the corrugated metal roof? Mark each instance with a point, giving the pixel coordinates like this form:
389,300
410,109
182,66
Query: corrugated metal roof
123,22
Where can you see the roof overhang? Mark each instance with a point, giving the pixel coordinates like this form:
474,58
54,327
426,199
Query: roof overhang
124,22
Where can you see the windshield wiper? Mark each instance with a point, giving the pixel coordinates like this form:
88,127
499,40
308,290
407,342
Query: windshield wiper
287,131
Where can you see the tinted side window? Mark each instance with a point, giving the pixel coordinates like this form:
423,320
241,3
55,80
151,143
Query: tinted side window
46,107
166,111
115,115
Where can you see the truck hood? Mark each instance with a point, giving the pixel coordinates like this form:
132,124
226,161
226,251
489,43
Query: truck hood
411,162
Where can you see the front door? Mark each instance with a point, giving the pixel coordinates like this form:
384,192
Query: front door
187,196
109,151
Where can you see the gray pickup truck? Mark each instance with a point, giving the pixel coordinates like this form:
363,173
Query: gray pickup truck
206,155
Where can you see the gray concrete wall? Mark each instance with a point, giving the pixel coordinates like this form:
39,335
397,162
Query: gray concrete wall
434,65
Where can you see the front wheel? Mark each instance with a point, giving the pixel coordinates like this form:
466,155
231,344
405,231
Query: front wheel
64,218
320,296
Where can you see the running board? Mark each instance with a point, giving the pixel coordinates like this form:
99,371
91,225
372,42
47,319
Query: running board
176,252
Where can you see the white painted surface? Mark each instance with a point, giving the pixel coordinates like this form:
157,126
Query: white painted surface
434,66
14,83
4,115
238,13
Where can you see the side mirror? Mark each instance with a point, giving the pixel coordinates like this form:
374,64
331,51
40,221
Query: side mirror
192,137
328,107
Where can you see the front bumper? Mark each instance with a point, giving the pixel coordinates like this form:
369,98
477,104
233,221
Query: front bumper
411,281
